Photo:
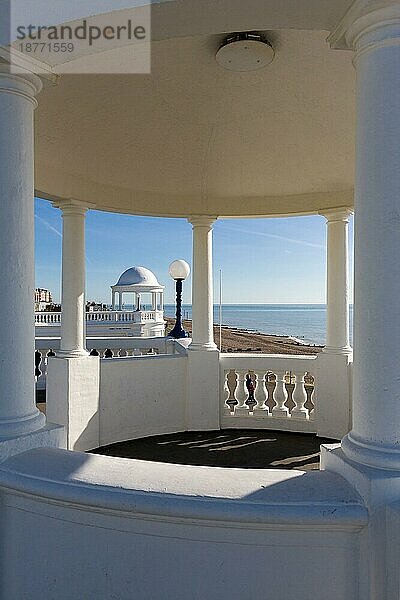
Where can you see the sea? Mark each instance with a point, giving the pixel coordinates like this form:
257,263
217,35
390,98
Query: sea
306,322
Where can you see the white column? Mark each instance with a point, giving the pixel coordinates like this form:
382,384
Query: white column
154,301
375,437
120,301
113,300
73,316
202,285
18,412
138,298
337,282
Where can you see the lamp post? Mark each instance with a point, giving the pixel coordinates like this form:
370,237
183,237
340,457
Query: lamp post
179,270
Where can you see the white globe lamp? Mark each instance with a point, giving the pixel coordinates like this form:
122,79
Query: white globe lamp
179,270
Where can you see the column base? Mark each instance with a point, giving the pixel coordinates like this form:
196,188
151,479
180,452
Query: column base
371,455
342,350
380,548
209,346
72,353
376,486
49,436
25,425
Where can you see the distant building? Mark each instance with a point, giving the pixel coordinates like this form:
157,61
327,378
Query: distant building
42,299
42,295
95,306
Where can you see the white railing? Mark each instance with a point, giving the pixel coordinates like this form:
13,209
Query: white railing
105,347
47,318
268,391
104,316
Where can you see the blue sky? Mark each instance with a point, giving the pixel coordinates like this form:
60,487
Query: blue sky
262,260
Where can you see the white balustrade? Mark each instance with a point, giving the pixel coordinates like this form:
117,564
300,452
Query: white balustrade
106,316
283,397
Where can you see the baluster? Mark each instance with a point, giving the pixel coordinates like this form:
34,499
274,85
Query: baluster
102,352
310,380
241,394
270,385
261,390
251,383
129,352
231,381
280,396
299,397
38,360
46,354
123,353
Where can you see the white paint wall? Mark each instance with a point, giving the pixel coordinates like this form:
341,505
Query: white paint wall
73,399
333,392
142,396
108,528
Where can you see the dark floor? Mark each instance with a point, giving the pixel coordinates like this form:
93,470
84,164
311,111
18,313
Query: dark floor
245,448
41,396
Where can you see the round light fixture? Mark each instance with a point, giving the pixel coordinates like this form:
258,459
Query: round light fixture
245,52
179,269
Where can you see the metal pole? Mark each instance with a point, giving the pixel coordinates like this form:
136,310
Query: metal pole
220,310
178,331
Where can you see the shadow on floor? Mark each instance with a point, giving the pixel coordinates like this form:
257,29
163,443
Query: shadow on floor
240,448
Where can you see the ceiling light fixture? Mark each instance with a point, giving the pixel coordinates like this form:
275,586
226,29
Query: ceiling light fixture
245,52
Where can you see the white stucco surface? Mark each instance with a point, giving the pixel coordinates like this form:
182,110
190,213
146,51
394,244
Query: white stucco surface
121,528
176,489
142,396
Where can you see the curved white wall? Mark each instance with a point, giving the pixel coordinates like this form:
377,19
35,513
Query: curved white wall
107,528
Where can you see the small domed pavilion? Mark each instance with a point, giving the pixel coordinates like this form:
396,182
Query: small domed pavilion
138,281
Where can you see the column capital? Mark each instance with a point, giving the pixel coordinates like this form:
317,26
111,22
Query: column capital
26,85
202,221
333,215
366,25
73,207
